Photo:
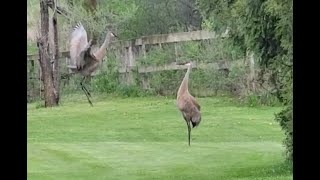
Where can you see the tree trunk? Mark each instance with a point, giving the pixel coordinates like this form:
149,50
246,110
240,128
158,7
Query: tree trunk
56,74
44,60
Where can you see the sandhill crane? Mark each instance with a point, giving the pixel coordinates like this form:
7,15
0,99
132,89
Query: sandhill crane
187,104
83,58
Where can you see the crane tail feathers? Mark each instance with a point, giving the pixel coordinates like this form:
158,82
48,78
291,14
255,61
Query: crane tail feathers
78,25
194,124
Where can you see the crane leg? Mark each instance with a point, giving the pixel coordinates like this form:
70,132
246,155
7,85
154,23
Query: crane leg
86,91
87,96
189,131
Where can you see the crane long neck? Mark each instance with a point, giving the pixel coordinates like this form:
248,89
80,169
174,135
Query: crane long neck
101,52
184,84
106,42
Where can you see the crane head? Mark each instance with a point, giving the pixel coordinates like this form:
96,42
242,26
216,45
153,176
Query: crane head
110,31
112,34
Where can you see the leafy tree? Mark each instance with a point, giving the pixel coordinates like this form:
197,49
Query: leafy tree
264,27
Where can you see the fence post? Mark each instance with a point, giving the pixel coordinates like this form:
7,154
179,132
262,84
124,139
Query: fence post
144,76
143,48
129,63
251,80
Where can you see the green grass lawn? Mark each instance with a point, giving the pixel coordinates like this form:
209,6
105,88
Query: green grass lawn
146,138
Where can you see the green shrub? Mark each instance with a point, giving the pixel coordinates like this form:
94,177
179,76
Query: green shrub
132,91
264,98
106,82
285,119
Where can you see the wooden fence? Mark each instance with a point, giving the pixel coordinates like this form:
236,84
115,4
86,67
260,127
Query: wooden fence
127,51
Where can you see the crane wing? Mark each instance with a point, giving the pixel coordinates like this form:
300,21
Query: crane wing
85,55
78,42
194,101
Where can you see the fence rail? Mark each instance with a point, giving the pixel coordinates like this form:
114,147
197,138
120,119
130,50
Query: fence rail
153,39
34,57
169,66
127,51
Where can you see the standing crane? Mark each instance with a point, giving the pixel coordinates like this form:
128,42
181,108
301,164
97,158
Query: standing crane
85,59
187,104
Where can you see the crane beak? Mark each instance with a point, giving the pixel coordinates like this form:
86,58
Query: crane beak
113,34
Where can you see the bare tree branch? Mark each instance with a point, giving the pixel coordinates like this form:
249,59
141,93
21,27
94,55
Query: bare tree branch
60,10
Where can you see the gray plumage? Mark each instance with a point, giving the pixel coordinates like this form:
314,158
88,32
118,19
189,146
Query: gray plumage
187,104
84,59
